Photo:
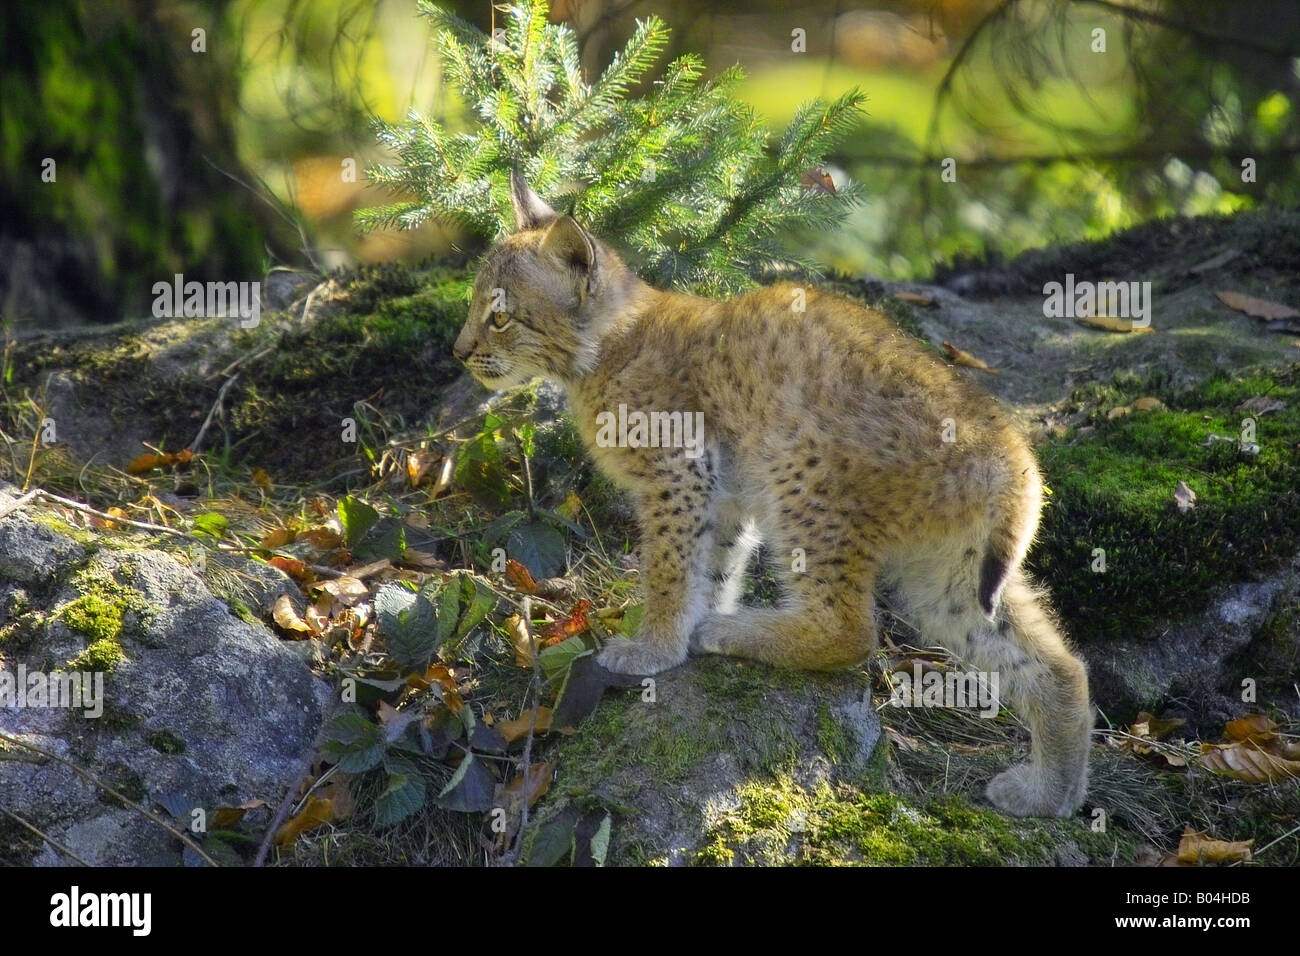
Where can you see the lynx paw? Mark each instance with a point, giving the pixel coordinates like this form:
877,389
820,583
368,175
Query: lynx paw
623,656
1025,791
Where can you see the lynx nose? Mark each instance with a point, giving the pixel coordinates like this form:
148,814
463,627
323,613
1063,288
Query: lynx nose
460,351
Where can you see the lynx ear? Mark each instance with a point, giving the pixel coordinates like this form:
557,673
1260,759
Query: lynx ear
530,209
568,242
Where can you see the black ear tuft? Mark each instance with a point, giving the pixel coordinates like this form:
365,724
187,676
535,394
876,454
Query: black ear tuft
531,210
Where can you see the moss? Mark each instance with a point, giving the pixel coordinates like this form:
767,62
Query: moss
98,615
243,611
1113,489
387,327
164,741
784,823
102,655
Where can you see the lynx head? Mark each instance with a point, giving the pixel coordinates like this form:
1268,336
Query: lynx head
542,298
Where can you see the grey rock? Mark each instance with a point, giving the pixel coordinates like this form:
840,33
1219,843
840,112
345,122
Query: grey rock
203,707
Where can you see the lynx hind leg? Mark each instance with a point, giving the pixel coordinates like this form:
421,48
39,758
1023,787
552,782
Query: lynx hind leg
825,621
1045,684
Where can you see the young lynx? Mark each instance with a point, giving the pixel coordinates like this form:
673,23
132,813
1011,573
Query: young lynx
851,451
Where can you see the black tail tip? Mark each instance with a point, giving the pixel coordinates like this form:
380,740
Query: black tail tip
993,574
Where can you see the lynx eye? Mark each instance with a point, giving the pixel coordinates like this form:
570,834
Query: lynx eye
499,320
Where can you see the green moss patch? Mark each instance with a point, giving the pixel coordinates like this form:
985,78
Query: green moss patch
98,615
1113,488
782,823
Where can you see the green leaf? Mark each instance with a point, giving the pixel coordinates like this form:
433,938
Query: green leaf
631,622
404,795
354,743
539,548
600,841
553,842
555,660
470,788
210,523
387,541
408,624
479,600
357,518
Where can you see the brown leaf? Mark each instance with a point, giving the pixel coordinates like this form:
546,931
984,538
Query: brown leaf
323,538
1109,323
1254,727
418,466
914,298
332,805
517,729
818,180
294,568
1157,727
146,462
1246,761
518,630
539,781
1200,849
346,590
1215,262
1259,308
563,629
519,577
318,812
226,817
287,618
959,357
278,538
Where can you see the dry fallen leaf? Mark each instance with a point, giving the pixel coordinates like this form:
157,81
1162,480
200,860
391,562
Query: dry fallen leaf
1158,727
346,590
1184,497
1248,762
418,466
517,729
1254,727
819,180
278,539
227,817
1215,262
561,630
1259,308
1109,323
915,298
960,357
287,618
331,805
539,781
518,630
1200,849
519,577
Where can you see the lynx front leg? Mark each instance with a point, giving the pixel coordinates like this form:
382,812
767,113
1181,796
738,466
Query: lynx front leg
677,530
